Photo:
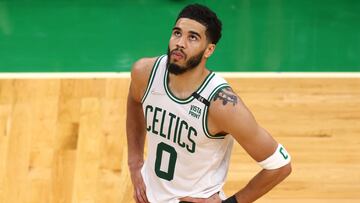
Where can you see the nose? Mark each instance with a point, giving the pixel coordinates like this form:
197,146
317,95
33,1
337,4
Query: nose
181,42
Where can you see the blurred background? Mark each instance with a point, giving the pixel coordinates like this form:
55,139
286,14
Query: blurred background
109,35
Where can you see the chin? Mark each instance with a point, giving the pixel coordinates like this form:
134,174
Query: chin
173,61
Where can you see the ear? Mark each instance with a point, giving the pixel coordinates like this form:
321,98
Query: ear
209,50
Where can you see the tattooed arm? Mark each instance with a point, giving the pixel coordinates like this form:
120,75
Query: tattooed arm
228,113
226,95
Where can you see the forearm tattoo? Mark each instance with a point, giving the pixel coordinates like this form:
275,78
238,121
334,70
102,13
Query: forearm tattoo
227,95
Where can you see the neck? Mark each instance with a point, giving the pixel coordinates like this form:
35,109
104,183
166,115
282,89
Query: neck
183,85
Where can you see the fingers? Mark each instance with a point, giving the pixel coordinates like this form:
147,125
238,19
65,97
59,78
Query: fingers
140,196
139,189
215,198
143,194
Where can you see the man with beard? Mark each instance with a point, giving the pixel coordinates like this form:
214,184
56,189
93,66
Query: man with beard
191,117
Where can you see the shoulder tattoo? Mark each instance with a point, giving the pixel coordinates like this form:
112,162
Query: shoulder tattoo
227,96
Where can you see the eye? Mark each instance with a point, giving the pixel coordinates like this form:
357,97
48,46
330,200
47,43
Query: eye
193,38
177,33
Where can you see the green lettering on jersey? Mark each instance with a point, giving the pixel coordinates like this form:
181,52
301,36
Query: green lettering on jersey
172,116
148,108
178,130
169,174
155,120
162,124
191,131
182,123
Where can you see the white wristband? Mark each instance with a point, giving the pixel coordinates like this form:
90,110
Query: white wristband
280,158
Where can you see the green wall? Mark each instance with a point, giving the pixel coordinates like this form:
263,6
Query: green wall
258,35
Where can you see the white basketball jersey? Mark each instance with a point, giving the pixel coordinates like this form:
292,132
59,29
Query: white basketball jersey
183,159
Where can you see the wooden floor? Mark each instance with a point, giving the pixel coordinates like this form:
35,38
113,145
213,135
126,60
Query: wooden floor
63,140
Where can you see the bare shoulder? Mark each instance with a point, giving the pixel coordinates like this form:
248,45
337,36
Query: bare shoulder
225,101
140,73
141,69
225,98
228,113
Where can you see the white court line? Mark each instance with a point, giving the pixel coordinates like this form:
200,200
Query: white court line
67,75
87,75
290,74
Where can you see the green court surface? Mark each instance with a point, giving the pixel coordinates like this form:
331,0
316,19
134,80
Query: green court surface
109,35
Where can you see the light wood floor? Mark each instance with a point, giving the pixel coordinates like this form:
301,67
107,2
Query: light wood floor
63,140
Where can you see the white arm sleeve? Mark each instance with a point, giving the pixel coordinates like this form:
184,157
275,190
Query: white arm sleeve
277,160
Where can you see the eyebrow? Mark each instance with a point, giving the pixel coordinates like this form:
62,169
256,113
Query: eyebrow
195,33
191,32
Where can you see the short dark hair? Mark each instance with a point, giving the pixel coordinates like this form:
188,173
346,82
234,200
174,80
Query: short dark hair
206,17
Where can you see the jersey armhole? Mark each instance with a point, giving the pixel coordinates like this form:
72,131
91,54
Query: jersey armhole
151,78
205,115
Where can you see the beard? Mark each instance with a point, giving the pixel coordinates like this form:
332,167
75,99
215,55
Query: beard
190,64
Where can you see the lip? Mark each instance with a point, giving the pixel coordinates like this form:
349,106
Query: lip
177,54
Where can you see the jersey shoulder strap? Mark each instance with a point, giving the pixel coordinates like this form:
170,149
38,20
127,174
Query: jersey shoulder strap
153,74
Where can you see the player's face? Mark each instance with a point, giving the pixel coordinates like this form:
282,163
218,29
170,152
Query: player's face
187,45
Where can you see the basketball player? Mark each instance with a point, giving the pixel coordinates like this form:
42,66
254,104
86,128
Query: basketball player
191,117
